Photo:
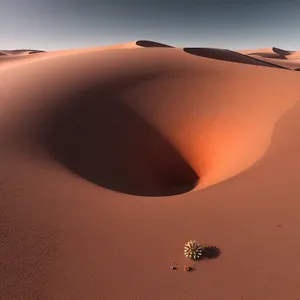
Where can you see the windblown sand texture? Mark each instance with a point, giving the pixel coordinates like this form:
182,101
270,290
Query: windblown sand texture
113,157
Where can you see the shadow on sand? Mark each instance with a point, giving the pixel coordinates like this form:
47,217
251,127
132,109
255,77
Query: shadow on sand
149,44
228,55
98,137
211,252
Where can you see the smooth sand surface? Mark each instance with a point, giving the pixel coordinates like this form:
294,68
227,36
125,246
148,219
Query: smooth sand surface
111,159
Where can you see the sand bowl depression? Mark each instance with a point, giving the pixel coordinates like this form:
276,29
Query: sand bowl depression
139,123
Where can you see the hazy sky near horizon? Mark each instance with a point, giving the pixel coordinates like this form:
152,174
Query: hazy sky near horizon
232,24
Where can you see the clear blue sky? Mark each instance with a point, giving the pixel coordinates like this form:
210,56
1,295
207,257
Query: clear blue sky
233,24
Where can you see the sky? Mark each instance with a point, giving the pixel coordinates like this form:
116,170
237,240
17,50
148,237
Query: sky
68,24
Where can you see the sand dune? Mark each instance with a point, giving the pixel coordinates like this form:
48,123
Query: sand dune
282,52
20,52
86,134
285,63
228,55
267,55
276,56
144,43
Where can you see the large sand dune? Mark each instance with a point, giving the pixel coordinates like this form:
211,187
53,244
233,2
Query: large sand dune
92,142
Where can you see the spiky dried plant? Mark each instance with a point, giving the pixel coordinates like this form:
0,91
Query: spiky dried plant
193,250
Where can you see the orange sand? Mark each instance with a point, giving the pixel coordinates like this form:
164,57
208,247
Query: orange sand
279,57
112,158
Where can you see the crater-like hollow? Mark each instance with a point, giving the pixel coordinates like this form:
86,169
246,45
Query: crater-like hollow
102,140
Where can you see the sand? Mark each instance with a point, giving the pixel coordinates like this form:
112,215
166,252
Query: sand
283,58
112,158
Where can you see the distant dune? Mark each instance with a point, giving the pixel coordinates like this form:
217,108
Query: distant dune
283,58
113,157
152,44
282,52
20,52
228,55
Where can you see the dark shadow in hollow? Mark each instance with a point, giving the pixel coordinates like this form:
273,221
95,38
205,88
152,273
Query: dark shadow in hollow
231,56
149,44
106,142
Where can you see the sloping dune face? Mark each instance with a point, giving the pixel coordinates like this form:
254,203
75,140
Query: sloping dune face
269,52
148,122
